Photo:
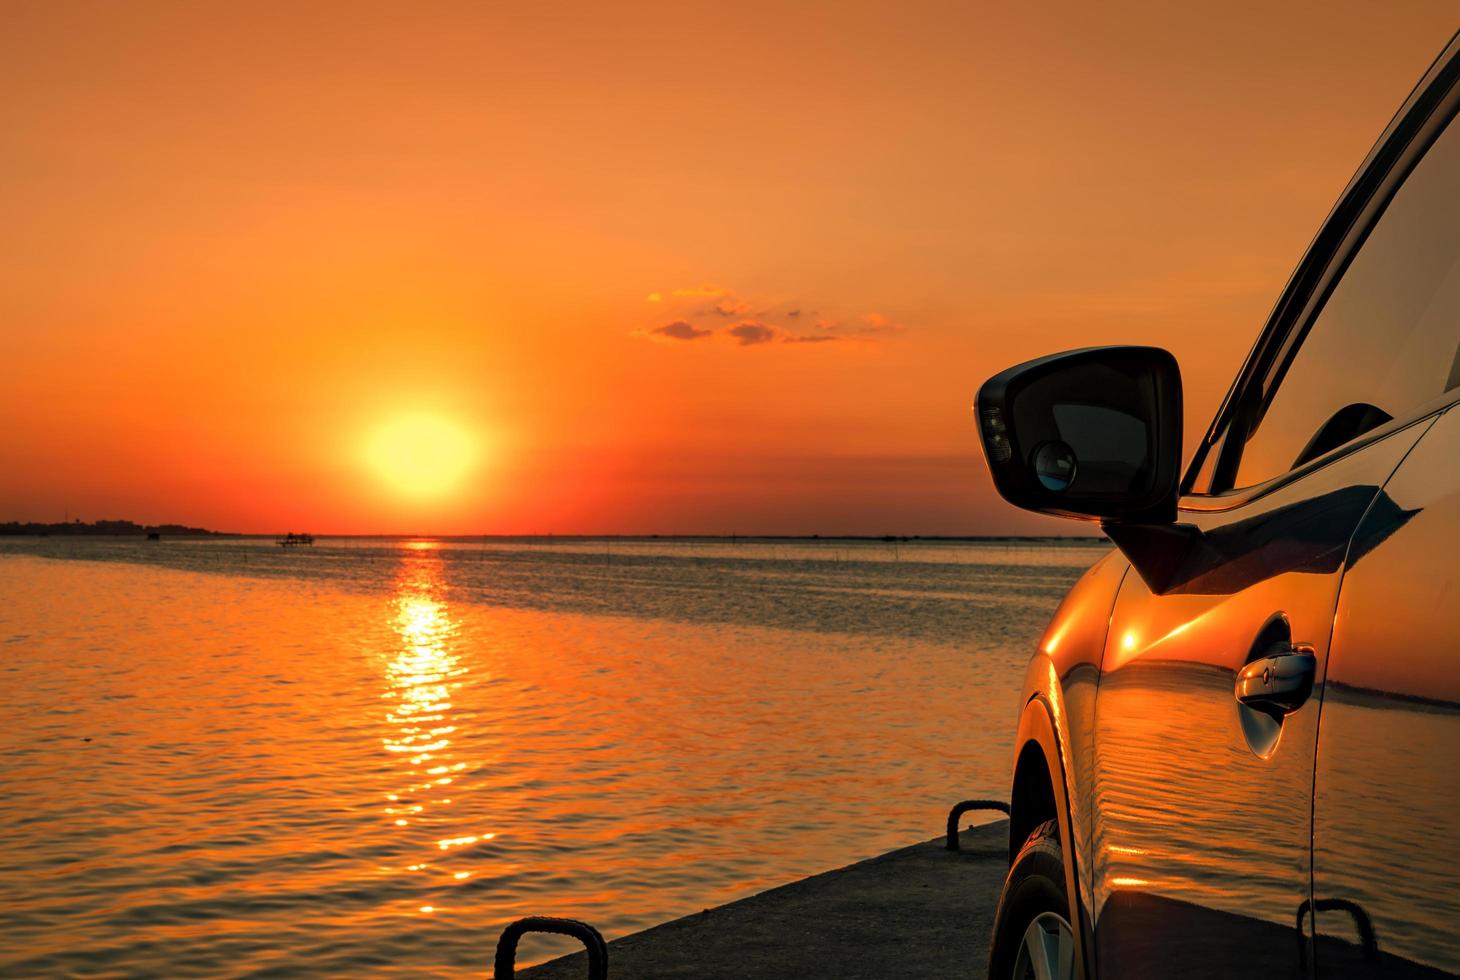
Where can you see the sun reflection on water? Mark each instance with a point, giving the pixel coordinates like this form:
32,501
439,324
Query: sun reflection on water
422,678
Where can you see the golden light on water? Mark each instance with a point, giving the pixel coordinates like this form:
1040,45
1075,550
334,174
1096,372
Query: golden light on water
421,681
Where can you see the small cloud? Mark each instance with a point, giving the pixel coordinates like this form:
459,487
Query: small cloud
680,330
707,310
868,326
876,323
731,308
750,333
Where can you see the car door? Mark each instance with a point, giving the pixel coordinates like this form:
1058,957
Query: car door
1202,804
1202,849
1386,835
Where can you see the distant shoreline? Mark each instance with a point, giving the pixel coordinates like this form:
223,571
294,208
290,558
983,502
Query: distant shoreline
114,529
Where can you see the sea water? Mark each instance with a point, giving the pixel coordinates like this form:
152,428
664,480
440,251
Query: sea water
222,757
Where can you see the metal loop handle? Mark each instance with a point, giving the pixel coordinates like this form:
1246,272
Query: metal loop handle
1368,942
959,809
505,965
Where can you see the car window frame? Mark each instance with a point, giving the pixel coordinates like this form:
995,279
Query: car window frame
1430,107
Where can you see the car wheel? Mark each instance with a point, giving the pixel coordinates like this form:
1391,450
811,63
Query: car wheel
1032,935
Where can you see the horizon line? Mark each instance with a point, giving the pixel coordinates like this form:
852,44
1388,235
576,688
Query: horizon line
193,531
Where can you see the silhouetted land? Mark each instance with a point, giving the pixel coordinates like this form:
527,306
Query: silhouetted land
111,528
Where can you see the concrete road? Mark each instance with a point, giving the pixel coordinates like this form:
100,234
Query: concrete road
922,912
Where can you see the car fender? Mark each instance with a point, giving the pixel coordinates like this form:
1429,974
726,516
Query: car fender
1054,747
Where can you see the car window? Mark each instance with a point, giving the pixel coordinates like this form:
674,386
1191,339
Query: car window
1387,339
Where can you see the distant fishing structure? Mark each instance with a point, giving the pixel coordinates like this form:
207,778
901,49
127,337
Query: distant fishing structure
292,540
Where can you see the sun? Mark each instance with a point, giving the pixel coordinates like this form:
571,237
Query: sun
422,455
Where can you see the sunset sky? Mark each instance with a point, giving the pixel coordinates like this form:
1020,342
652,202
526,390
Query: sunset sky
600,268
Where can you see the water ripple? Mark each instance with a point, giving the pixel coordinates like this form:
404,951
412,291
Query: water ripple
220,761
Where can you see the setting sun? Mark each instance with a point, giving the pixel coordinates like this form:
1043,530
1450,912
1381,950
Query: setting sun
422,455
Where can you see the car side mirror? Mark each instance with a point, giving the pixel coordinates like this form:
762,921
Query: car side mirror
1091,434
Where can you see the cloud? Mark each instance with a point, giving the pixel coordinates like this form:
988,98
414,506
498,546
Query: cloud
875,324
731,308
680,330
866,327
710,311
750,333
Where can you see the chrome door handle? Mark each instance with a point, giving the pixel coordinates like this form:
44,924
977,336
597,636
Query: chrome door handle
1278,683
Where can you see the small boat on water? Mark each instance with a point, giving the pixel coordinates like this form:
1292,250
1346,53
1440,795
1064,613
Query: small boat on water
292,540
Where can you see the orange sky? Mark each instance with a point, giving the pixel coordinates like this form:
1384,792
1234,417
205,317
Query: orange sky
238,243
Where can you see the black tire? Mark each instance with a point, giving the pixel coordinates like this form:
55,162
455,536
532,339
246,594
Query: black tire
1035,885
